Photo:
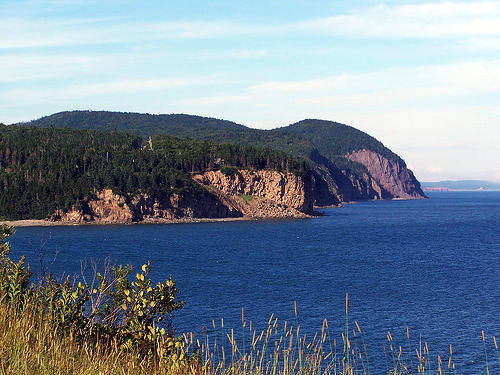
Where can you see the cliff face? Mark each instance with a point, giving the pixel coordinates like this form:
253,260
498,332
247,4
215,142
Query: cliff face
392,177
109,208
258,194
334,185
186,205
105,207
285,189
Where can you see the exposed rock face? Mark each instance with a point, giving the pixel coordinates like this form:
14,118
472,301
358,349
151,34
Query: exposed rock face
282,188
106,207
333,185
109,208
258,194
391,176
208,205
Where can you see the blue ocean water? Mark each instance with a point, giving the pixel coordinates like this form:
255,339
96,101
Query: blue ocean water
430,265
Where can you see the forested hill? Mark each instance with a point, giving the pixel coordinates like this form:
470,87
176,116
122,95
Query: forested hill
42,170
348,164
142,124
328,137
333,139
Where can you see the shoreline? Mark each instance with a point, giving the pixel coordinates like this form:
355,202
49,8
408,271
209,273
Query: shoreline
48,223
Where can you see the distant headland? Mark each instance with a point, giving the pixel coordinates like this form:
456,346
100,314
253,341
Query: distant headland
115,167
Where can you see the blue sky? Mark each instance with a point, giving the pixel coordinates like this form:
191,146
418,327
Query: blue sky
422,77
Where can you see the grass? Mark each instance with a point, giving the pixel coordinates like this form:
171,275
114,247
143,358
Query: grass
247,198
28,345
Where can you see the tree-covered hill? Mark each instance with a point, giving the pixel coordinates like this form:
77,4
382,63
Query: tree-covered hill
142,124
333,139
330,138
44,169
323,144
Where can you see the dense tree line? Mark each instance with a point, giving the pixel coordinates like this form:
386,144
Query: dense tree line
195,156
44,169
323,144
330,138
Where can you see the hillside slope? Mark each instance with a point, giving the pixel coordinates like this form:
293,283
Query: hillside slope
347,164
104,176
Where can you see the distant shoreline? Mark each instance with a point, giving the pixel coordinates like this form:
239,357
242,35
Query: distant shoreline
48,223
448,190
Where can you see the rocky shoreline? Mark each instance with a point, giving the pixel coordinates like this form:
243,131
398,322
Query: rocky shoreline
50,223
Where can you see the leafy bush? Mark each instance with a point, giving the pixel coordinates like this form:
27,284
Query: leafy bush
14,277
133,314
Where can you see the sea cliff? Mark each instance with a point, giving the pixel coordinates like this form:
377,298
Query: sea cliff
244,194
392,179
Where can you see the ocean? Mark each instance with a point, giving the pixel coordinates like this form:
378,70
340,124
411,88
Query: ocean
432,266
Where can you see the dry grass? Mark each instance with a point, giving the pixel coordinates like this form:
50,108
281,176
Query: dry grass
29,346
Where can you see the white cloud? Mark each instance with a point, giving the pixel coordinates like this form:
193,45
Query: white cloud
401,86
424,20
421,20
481,44
35,67
34,33
16,97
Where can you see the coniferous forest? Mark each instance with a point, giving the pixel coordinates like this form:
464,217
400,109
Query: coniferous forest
44,169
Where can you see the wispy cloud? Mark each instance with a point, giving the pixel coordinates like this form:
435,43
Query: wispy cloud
424,20
34,33
32,67
481,44
387,88
64,93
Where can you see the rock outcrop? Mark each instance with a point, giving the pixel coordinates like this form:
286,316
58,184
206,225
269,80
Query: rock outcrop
286,189
250,194
183,206
393,178
105,207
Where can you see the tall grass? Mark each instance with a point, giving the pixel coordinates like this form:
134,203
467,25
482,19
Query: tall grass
283,349
30,345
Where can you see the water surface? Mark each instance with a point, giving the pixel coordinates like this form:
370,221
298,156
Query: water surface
430,265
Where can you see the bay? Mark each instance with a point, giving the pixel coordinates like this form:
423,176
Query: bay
429,265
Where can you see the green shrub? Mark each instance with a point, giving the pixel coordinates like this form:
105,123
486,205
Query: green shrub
14,277
229,171
247,198
133,314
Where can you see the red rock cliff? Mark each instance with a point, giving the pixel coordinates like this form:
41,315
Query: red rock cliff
392,176
252,194
282,188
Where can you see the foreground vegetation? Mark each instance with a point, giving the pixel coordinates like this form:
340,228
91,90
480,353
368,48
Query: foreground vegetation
119,324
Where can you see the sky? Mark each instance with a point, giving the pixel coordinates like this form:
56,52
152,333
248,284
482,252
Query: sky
423,77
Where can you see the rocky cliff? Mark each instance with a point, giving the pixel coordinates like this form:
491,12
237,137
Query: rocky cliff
286,189
107,207
392,178
104,207
250,194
